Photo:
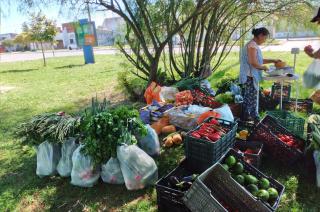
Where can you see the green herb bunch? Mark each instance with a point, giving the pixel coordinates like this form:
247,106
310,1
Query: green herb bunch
106,130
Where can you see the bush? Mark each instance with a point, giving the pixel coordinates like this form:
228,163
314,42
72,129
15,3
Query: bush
132,86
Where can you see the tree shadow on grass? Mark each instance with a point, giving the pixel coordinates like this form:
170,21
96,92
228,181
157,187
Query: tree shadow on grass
19,70
69,66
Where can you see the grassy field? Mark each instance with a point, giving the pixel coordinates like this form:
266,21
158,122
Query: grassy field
66,84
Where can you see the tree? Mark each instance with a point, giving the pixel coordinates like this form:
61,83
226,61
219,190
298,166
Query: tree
150,25
8,43
41,30
204,26
207,39
23,39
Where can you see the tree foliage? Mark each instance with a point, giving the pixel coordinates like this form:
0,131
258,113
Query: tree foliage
41,30
205,28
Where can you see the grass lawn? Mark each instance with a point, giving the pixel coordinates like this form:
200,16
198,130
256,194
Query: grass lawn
66,84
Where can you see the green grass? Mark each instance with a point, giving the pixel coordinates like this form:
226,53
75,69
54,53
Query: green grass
66,84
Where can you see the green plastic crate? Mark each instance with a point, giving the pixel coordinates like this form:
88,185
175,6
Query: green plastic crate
288,120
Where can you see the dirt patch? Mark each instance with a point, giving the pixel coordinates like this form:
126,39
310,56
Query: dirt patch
32,204
5,88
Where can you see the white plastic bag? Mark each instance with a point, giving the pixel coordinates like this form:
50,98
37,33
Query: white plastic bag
48,156
138,168
111,172
311,78
168,94
186,117
150,143
65,164
84,173
225,112
316,156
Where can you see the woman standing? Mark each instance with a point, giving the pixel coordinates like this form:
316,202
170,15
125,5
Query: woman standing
308,49
251,67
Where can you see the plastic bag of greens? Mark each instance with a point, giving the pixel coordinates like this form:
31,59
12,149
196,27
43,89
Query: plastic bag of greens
150,143
84,173
111,172
65,164
316,156
48,156
138,168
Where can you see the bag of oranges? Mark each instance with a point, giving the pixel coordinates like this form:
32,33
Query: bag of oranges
152,93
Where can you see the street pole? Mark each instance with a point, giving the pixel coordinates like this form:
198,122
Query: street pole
88,8
0,26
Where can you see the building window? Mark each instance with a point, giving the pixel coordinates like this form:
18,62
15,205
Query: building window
71,41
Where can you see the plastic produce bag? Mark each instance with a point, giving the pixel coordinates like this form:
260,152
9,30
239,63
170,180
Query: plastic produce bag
186,117
65,164
48,156
205,84
311,78
83,173
111,172
150,143
152,93
138,168
168,94
225,112
316,156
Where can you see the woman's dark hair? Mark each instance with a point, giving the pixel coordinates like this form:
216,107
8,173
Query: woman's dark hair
264,31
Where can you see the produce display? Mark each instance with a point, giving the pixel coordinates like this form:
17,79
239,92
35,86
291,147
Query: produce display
184,98
211,131
258,187
205,100
172,139
153,112
225,98
106,130
290,141
181,183
276,91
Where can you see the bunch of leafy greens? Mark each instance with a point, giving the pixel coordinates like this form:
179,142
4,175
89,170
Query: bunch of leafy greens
54,127
225,98
106,130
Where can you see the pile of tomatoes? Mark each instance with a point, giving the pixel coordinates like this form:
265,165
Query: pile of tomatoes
211,131
289,140
205,100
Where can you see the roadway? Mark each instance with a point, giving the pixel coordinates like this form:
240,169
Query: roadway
284,46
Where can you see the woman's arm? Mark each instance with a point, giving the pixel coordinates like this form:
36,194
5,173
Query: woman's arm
252,57
266,61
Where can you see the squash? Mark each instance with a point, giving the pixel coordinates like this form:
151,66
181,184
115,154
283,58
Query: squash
280,65
168,142
168,129
177,139
157,127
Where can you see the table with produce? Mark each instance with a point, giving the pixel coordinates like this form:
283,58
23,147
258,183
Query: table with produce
223,154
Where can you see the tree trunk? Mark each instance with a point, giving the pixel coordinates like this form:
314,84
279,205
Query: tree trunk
52,50
44,58
154,68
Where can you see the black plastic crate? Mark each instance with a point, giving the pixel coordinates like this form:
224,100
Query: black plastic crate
303,105
253,159
291,122
239,194
170,199
267,131
276,91
202,154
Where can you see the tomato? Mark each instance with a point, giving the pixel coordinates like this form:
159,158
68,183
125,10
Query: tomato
290,143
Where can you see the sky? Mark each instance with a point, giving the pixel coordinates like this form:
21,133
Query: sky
12,18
